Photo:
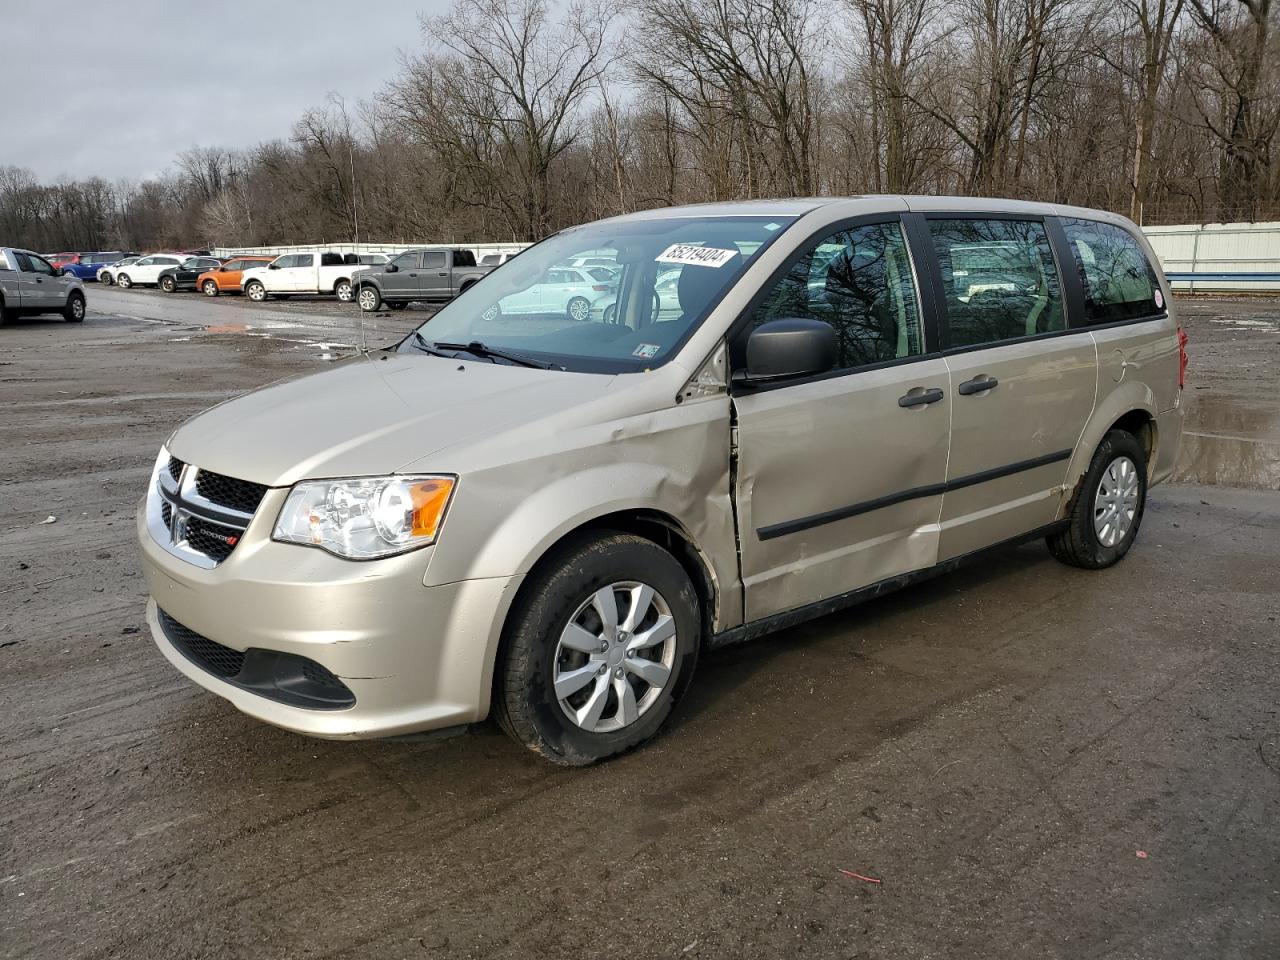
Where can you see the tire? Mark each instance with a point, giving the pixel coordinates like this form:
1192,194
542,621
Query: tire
168,284
578,308
397,304
209,288
123,281
369,298
106,280
73,312
561,603
1114,486
344,291
610,312
255,291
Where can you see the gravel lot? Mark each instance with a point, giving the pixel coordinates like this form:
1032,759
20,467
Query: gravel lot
1035,761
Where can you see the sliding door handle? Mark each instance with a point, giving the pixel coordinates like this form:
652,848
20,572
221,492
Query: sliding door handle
977,385
920,396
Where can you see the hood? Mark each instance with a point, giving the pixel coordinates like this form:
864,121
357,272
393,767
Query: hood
372,415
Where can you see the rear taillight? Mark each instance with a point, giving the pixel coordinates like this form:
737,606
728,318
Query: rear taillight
600,287
1182,358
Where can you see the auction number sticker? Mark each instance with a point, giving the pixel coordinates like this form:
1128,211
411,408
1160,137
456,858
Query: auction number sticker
696,256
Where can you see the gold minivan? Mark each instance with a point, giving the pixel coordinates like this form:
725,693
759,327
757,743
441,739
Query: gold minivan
547,516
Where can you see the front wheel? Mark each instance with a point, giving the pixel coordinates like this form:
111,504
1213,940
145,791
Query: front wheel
255,291
73,312
344,291
209,288
600,648
1107,509
168,284
369,299
123,281
105,279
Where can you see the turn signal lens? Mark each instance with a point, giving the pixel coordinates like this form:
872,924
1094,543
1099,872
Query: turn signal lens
429,500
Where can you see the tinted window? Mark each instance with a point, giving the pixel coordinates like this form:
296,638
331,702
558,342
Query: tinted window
433,261
999,280
167,261
860,281
1118,281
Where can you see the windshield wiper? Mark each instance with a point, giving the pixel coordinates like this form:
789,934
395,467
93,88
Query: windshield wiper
480,350
425,346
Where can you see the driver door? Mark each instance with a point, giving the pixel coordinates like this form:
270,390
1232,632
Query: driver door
39,283
840,475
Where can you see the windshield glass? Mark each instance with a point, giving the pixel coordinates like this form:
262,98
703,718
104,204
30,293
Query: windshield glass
650,284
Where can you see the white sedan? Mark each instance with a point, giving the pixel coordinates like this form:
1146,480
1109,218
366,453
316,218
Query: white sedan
146,271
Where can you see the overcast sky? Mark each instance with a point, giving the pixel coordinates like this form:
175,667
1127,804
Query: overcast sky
120,89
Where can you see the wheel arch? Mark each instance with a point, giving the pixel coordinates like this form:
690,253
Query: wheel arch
1130,407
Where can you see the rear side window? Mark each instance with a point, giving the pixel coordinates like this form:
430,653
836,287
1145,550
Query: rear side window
433,261
306,260
858,280
1118,280
999,280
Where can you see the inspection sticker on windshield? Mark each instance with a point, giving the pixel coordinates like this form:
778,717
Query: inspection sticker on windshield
695,256
646,351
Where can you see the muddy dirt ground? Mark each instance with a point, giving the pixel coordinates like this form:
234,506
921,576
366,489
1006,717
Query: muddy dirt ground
1034,761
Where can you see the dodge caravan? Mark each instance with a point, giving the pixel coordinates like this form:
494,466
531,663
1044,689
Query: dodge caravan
548,517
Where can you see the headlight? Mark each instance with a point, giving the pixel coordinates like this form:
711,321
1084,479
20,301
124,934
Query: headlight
364,518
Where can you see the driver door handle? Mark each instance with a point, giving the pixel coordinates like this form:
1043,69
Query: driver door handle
920,396
978,384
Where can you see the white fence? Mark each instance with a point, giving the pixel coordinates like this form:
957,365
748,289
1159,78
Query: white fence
1219,256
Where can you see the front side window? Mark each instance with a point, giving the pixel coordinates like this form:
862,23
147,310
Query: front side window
289,260
533,308
1119,282
38,265
999,280
407,261
859,280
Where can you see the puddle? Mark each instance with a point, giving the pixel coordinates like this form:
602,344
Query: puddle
1230,444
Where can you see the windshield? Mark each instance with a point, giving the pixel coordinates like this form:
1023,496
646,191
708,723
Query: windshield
650,283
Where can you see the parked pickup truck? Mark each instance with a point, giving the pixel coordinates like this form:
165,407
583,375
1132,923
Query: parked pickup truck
30,284
435,275
299,273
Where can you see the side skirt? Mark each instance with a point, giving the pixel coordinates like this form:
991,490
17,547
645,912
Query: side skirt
811,611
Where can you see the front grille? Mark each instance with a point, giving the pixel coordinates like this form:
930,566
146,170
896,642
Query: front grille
205,653
166,513
211,539
175,468
229,492
283,677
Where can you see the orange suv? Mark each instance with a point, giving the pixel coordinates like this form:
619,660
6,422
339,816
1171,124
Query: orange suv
227,277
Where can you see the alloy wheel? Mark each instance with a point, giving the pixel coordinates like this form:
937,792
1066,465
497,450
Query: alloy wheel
614,657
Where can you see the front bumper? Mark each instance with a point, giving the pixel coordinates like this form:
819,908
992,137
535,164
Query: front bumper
414,657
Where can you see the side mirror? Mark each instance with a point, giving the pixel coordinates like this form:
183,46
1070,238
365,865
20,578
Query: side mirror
392,268
273,266
790,347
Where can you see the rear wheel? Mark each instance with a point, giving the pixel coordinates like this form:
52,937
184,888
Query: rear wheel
168,284
123,281
73,312
344,291
600,648
209,288
370,299
579,309
1107,509
255,291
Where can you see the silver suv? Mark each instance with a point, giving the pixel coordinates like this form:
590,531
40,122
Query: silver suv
548,517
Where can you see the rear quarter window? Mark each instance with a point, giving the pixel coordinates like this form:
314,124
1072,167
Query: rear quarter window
1119,281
